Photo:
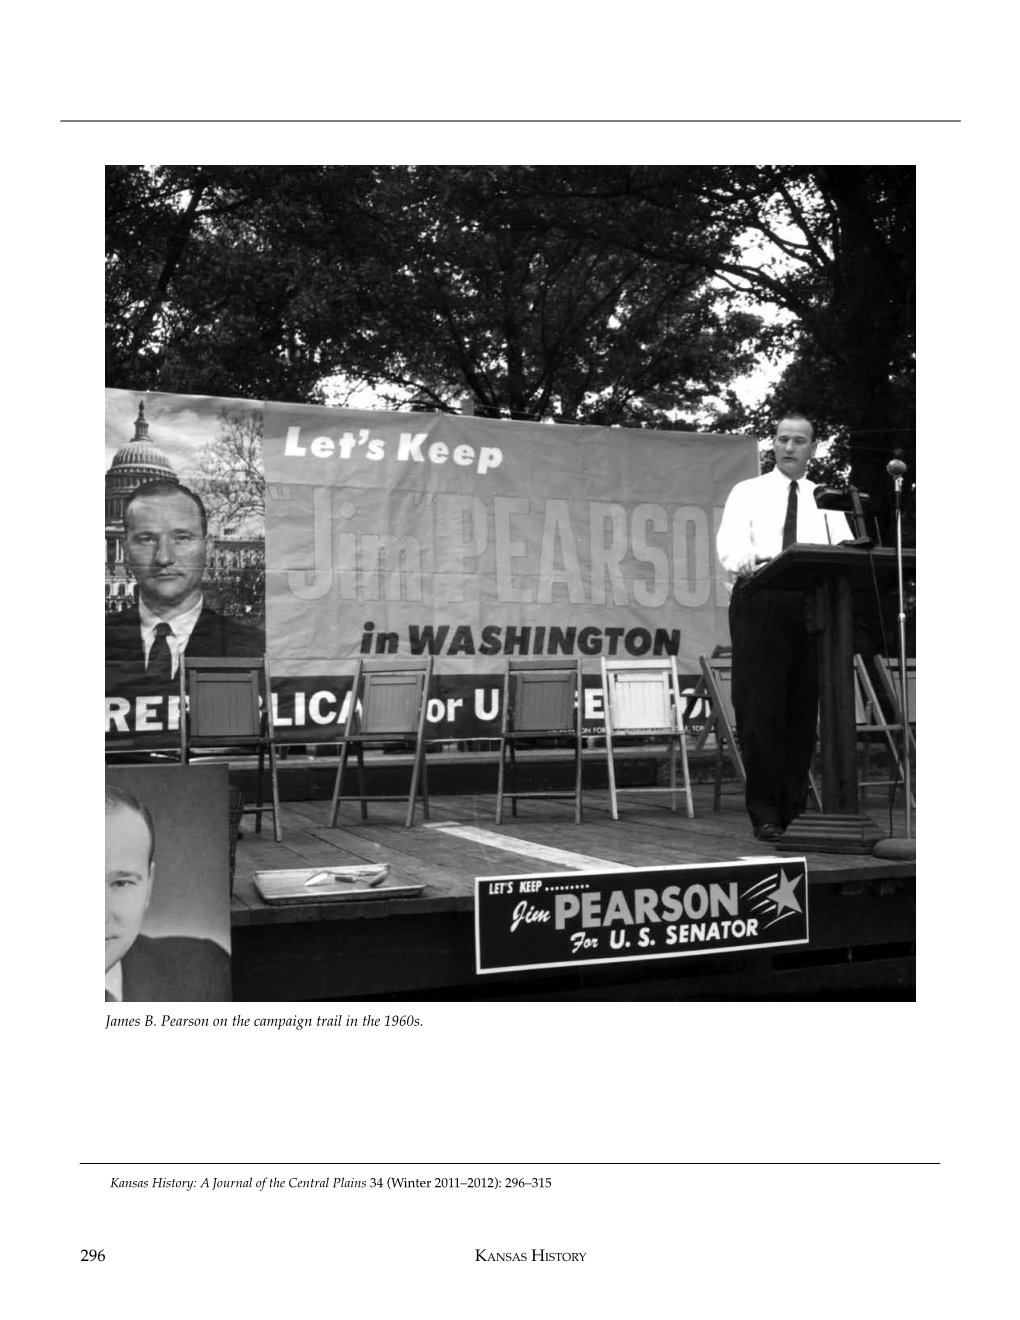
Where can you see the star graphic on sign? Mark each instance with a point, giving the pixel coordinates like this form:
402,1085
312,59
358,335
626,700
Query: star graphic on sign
783,895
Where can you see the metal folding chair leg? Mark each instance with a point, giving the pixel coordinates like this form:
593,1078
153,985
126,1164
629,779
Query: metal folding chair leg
275,788
334,806
611,767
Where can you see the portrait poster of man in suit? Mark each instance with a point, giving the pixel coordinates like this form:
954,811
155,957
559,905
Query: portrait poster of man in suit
167,884
185,530
166,542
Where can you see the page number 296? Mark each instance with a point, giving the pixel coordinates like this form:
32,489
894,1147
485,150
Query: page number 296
91,1253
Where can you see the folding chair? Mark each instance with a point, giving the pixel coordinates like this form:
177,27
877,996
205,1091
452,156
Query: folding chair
871,721
541,699
388,702
226,703
642,700
717,675
699,707
717,672
888,670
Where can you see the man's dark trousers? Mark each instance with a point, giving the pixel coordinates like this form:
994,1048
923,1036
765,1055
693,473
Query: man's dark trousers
775,700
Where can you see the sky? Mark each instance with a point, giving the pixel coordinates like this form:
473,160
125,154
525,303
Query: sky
193,417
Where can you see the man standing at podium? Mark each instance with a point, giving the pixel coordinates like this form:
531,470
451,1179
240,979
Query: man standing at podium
775,658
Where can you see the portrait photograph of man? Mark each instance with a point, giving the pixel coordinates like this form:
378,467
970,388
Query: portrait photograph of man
166,544
167,884
185,538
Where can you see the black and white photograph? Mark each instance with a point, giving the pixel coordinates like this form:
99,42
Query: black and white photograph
167,884
547,520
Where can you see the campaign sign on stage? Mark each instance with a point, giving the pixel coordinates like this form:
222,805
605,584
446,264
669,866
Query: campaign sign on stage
526,922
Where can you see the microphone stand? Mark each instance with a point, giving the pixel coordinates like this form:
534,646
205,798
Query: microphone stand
902,849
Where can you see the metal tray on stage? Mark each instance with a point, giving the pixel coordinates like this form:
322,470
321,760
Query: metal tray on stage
330,884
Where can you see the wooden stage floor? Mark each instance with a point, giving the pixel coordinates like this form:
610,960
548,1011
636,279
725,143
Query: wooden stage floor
862,909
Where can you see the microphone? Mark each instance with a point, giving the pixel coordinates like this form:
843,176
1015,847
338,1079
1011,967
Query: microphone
851,501
828,497
896,468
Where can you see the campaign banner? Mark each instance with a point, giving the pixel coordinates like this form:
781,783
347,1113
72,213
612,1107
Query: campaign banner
568,919
471,539
323,534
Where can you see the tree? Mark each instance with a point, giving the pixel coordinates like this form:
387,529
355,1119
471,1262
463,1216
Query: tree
240,592
497,296
427,284
853,364
828,248
239,281
229,473
630,295
230,478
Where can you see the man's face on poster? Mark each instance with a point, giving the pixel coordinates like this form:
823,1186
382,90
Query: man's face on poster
128,879
165,550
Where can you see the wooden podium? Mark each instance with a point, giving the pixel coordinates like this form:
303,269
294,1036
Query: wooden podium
828,574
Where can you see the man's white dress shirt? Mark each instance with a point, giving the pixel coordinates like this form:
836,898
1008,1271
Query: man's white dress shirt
752,521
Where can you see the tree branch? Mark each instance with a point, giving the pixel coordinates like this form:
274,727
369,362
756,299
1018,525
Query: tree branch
175,251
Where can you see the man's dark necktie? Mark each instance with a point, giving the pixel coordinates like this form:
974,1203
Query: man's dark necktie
790,525
161,665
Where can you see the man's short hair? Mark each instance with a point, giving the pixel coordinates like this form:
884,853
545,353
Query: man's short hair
165,488
121,797
795,416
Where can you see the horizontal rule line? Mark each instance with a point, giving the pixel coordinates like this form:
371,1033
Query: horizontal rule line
511,121
514,1164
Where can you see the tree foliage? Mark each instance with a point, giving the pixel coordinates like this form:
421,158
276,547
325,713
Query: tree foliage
499,296
239,592
827,251
229,473
631,295
253,303
426,284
